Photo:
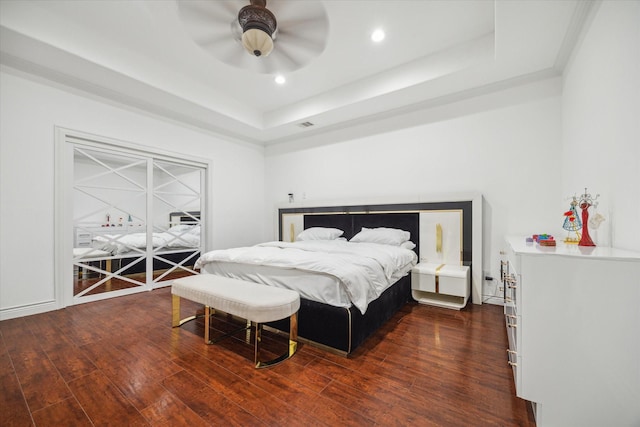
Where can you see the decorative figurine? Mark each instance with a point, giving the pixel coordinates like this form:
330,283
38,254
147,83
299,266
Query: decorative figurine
572,223
544,239
585,202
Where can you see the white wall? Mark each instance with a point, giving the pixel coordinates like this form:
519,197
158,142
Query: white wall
29,111
507,150
601,121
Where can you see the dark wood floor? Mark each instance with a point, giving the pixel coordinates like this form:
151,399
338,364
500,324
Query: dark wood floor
118,362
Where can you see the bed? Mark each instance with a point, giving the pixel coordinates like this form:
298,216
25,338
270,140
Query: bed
336,325
122,250
176,237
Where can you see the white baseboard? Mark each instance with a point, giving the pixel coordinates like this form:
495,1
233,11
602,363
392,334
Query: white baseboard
27,310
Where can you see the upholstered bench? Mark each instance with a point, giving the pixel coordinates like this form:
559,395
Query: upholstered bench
254,302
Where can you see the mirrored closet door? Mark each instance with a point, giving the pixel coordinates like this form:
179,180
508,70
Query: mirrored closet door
176,198
109,211
137,220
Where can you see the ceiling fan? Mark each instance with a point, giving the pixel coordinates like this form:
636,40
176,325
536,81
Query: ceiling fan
249,36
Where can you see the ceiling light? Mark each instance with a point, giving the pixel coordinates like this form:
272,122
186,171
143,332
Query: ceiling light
280,80
258,25
377,36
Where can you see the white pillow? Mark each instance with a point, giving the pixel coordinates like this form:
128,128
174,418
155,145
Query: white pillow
180,227
320,233
194,230
382,235
408,245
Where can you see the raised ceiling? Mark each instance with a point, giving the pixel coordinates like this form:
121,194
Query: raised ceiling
149,55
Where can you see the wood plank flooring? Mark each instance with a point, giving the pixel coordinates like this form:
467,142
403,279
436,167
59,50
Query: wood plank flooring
118,362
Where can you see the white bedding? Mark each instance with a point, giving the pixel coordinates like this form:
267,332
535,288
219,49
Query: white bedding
359,271
122,243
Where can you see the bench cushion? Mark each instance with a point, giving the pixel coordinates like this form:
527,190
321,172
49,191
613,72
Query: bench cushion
251,301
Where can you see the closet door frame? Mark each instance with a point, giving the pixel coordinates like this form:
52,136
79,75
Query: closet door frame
66,140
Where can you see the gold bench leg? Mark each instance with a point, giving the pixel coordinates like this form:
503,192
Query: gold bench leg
256,348
293,332
175,313
108,268
207,323
293,343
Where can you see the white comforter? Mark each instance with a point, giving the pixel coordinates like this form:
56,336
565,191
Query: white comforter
122,243
365,269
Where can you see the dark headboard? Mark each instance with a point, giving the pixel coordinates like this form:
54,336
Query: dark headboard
182,217
404,216
343,222
351,224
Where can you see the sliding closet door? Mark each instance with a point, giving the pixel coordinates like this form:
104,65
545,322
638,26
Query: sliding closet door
128,220
110,193
176,216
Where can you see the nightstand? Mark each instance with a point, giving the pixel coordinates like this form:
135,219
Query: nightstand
443,285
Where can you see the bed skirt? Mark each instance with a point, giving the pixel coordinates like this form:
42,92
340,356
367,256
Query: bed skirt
158,264
342,330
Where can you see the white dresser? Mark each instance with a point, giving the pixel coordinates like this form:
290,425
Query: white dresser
83,236
573,320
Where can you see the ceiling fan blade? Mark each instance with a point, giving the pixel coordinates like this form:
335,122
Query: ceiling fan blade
311,42
302,32
304,24
211,35
284,60
212,43
229,54
213,25
207,12
292,11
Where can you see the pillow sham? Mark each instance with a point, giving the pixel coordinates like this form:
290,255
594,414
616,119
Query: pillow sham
408,245
382,235
320,233
180,227
194,230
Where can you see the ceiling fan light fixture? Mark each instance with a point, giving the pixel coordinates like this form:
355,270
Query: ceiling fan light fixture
258,25
257,42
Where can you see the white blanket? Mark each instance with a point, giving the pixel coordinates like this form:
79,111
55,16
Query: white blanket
123,243
364,269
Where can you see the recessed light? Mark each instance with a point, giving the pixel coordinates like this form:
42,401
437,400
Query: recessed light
280,80
377,36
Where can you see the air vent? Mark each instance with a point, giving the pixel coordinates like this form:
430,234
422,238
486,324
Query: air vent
305,124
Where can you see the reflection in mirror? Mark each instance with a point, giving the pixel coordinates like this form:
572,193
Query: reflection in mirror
176,219
136,220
